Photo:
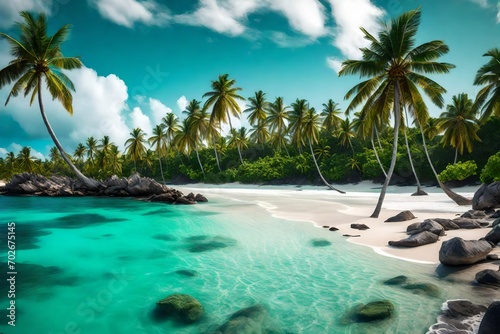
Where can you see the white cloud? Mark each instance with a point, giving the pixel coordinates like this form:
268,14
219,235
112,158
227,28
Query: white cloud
129,12
3,152
158,110
16,148
182,103
286,41
350,16
140,120
334,63
482,3
306,16
9,10
498,13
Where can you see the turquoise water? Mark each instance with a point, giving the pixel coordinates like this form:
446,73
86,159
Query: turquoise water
98,265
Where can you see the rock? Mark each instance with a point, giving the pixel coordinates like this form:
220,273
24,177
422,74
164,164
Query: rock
463,308
488,277
184,200
415,240
493,235
361,227
333,229
320,243
180,306
428,225
457,251
496,214
423,289
398,280
447,224
163,198
376,310
325,226
200,198
487,197
491,320
250,320
351,235
458,317
492,257
495,222
467,223
187,272
401,217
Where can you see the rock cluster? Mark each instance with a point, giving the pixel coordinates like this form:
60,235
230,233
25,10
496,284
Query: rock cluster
487,197
133,186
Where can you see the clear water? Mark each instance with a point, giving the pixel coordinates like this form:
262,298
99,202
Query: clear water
116,257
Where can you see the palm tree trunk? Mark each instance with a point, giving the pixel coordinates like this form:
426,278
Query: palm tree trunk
456,154
378,138
89,183
376,155
231,130
319,171
161,168
419,191
216,155
397,118
199,161
459,199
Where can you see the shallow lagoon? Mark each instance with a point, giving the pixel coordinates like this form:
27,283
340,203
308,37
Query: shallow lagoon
98,265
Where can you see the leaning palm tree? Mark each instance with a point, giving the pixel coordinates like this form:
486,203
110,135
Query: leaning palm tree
159,142
396,68
331,113
311,124
489,75
459,124
37,57
223,99
135,148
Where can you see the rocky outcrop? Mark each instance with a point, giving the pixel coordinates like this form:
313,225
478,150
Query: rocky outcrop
428,225
458,252
415,240
493,235
184,308
134,186
487,197
401,217
491,320
488,277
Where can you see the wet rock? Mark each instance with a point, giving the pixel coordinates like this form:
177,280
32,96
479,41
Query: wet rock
428,225
457,251
361,227
428,289
320,243
447,224
491,320
182,307
377,310
415,240
401,217
184,200
493,235
487,197
488,277
463,308
250,320
398,280
457,317
200,198
333,229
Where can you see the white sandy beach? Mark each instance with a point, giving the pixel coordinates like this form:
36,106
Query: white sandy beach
329,208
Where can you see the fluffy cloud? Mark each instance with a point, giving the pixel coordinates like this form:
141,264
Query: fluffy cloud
140,120
306,16
350,16
129,12
182,103
334,63
158,110
9,10
16,148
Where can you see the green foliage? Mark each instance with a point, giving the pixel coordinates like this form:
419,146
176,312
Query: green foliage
491,171
265,169
459,171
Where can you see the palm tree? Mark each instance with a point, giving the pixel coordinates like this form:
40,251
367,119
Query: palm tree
186,140
459,124
278,122
331,112
198,126
26,161
115,161
260,134
431,128
79,154
135,149
39,56
223,99
159,141
239,139
364,129
323,149
104,153
345,133
170,125
258,108
310,131
395,69
420,191
299,111
489,75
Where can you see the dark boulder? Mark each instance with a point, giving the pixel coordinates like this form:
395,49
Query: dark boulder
401,217
493,235
428,225
487,197
184,200
463,308
447,224
200,198
415,240
491,320
468,223
457,251
333,229
180,306
360,227
457,317
377,310
488,277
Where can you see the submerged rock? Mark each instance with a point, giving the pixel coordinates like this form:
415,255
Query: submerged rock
187,272
415,240
182,307
320,243
428,289
205,243
398,280
401,217
250,320
457,251
377,310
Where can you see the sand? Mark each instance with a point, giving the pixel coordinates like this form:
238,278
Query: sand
329,208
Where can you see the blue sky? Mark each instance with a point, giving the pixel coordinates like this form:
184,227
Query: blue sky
144,58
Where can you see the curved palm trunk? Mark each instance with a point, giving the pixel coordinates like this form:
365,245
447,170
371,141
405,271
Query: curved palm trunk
161,168
216,155
319,171
237,146
456,155
376,156
89,183
459,199
397,120
419,191
378,138
199,161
